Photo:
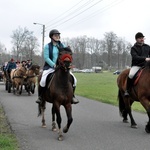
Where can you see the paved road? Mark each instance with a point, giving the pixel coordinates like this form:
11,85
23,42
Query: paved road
96,126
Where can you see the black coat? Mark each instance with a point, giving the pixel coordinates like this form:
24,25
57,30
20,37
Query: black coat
139,53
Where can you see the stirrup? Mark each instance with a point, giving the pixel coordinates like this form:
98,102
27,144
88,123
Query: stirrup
39,100
75,100
126,94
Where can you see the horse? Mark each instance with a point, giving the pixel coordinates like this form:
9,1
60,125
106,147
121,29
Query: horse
59,91
17,78
139,92
31,78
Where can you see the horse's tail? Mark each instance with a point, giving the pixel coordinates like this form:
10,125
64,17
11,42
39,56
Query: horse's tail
121,103
39,110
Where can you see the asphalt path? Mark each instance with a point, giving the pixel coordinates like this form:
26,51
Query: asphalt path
96,126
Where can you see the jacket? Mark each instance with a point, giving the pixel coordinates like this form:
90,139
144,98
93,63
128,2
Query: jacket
10,66
50,56
139,54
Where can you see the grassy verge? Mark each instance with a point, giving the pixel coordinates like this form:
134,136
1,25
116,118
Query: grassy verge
101,87
7,138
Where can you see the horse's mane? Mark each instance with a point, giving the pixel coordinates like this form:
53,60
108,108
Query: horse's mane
67,49
147,64
34,66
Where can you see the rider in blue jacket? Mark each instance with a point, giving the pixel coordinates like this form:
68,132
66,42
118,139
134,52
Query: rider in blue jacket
11,65
50,56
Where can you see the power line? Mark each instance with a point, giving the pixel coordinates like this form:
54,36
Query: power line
64,12
97,12
78,13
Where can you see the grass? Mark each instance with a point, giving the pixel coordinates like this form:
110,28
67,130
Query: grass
101,87
7,138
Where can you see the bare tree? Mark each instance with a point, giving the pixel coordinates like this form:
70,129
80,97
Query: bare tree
110,41
23,42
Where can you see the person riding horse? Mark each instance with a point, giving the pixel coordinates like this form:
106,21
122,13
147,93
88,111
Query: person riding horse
50,56
11,65
140,54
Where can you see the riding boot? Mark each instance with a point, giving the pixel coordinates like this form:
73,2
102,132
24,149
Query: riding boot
128,87
40,93
74,99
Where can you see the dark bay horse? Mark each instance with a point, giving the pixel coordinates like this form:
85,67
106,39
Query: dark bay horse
31,78
139,92
59,92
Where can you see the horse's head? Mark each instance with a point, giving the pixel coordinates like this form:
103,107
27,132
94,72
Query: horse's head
35,68
65,58
22,70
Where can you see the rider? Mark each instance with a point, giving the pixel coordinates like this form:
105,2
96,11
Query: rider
140,53
50,57
11,65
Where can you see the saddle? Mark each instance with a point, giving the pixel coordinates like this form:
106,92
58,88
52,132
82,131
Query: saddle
49,79
137,76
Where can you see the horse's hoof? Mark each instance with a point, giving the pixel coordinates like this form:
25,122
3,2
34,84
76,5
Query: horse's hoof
54,129
134,126
43,126
65,129
147,129
60,138
125,121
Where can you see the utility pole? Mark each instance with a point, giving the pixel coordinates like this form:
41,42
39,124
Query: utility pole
43,36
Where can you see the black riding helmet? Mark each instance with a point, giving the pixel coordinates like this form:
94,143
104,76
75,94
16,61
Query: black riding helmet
52,32
139,35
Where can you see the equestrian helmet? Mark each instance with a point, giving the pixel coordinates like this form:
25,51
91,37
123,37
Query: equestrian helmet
52,32
139,35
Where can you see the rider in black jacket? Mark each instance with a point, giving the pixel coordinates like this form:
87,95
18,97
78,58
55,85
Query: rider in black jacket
140,53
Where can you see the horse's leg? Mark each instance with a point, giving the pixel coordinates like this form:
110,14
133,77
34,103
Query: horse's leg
128,108
21,88
146,105
57,110
68,109
17,88
53,119
42,107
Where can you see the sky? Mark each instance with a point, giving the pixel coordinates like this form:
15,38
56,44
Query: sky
75,18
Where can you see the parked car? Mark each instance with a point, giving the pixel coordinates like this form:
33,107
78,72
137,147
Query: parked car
117,72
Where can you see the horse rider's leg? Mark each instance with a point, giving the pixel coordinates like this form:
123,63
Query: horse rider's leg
131,75
68,109
40,94
74,99
42,84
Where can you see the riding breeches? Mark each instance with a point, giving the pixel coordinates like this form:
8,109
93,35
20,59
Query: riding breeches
51,70
133,71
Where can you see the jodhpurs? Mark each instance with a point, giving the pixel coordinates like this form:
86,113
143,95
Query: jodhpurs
51,70
133,71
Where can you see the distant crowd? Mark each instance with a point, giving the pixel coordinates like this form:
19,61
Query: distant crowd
12,64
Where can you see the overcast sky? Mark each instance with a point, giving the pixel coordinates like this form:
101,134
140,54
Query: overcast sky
75,18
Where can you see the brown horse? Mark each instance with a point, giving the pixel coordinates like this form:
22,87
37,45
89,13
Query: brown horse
17,79
31,78
59,92
139,92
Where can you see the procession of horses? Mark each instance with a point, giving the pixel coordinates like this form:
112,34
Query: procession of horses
19,77
59,91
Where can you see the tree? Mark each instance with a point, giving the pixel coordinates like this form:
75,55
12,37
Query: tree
23,42
110,42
